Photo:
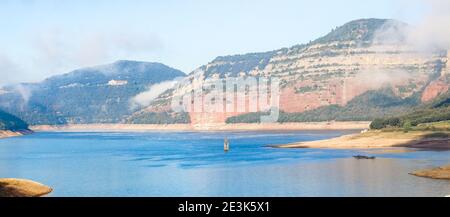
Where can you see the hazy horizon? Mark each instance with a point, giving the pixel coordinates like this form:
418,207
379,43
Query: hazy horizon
56,37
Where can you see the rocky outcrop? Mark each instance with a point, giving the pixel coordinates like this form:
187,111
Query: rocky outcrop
435,88
438,86
22,188
331,70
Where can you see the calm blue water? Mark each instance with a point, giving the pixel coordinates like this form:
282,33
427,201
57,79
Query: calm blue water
194,164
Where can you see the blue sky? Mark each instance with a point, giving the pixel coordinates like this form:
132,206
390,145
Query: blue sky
42,38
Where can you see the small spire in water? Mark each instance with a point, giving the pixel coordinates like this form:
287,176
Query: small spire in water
226,145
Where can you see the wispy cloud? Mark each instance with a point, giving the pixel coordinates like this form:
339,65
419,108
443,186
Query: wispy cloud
54,51
434,30
145,98
431,33
57,49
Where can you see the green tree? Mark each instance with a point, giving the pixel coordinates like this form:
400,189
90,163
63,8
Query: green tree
377,124
407,126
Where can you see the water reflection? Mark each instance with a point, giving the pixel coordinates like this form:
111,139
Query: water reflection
194,164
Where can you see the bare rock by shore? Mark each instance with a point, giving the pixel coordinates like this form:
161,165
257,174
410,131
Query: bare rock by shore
434,173
22,188
381,140
7,133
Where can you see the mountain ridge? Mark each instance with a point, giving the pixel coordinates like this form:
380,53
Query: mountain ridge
339,76
332,70
98,94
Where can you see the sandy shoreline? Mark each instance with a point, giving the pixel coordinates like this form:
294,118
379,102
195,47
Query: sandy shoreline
209,127
380,140
434,173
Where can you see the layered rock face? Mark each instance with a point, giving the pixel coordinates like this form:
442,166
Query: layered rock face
332,70
324,75
438,86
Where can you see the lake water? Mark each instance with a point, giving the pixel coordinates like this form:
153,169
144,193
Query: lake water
194,164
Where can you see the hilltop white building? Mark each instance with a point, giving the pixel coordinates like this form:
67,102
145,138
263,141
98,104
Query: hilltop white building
117,82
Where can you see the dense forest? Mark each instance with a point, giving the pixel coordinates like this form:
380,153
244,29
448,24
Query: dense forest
89,95
11,122
160,118
436,111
